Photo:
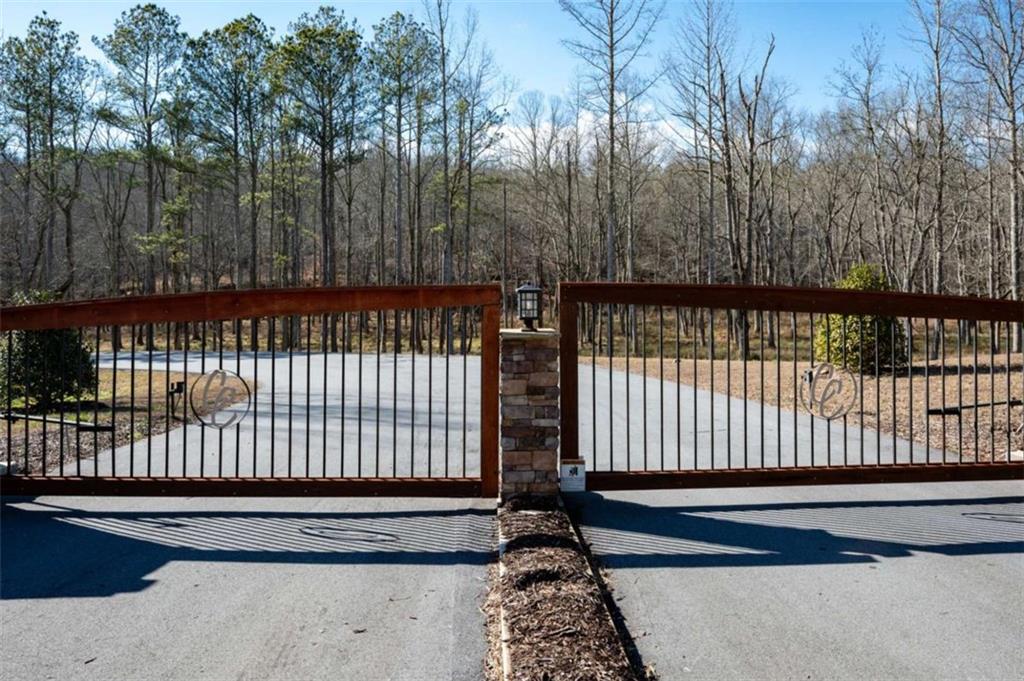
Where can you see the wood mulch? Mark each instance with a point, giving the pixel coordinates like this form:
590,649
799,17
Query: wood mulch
492,616
558,627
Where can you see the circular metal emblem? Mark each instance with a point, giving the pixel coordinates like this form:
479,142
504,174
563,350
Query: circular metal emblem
214,392
828,391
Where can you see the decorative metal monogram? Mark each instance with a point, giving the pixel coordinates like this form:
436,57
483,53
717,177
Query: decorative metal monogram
214,392
828,391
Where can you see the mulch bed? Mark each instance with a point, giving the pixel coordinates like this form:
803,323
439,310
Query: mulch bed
558,627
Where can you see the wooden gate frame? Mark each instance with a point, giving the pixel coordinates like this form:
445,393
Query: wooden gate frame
773,299
246,304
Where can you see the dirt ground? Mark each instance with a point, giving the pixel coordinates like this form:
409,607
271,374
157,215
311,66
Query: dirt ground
65,445
990,432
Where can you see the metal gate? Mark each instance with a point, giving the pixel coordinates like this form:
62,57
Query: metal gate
329,391
721,386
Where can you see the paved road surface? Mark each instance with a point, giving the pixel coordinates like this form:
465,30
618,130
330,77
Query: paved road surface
356,431
912,581
353,429
666,422
140,589
922,581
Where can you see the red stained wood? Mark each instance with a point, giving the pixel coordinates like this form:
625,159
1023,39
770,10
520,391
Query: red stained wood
770,477
489,367
224,305
18,485
790,299
569,379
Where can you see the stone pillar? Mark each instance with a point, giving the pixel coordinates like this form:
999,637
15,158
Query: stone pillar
529,412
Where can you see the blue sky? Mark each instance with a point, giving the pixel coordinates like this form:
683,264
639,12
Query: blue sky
812,38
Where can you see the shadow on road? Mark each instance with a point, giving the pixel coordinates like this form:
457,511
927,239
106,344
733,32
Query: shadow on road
49,551
626,534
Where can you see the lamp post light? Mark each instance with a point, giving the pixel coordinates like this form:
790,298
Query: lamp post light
528,297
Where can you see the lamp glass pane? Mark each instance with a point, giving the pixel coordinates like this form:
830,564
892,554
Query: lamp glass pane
528,305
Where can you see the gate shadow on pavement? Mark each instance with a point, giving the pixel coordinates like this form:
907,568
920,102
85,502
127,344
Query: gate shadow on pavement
49,551
626,534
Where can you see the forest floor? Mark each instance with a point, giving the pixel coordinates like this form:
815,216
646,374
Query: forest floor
55,448
991,431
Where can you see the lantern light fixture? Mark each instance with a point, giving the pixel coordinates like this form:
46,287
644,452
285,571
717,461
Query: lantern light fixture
528,297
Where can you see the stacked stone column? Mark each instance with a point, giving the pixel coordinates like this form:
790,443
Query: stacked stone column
529,412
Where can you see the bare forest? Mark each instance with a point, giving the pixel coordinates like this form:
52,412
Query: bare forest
399,153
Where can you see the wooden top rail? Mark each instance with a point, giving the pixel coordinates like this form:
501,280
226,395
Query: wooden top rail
791,299
244,304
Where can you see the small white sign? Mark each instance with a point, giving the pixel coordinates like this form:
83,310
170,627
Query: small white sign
574,475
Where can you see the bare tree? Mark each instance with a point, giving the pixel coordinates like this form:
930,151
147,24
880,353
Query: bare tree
701,37
616,33
991,37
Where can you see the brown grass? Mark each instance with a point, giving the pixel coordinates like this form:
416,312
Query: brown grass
152,416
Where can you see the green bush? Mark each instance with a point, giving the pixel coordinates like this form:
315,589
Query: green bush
849,340
46,367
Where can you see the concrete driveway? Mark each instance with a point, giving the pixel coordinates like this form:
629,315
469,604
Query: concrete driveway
922,581
174,588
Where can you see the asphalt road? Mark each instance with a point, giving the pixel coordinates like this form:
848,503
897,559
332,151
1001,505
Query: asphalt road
921,581
425,419
140,589
636,422
911,581
361,416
